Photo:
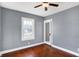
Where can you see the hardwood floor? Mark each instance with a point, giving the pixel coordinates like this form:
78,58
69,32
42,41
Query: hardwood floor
42,50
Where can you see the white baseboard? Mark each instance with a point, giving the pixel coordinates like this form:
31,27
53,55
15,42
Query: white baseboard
69,51
10,50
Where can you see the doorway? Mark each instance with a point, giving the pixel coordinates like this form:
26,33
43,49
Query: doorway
48,31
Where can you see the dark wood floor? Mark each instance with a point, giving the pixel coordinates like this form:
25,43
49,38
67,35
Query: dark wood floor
42,50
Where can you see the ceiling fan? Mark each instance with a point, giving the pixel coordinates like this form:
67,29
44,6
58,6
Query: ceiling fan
46,4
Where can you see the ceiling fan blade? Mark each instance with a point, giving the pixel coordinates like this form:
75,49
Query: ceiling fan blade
38,6
46,9
55,5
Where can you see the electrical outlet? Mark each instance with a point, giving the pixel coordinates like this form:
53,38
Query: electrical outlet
28,43
78,49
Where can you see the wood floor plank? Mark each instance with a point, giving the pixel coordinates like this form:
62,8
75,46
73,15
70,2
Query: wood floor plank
43,50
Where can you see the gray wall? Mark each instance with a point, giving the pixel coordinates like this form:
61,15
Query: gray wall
11,22
0,32
66,28
65,24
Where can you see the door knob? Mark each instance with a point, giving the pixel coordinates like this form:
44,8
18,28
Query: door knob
49,34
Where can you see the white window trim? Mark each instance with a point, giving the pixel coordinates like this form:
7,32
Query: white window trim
32,37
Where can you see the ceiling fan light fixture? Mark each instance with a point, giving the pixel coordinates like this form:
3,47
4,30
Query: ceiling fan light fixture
45,4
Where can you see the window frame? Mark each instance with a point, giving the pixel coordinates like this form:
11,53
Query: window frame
30,36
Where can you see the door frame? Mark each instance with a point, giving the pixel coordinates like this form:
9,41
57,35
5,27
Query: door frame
50,29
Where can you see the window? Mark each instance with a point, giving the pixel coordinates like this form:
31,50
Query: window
27,29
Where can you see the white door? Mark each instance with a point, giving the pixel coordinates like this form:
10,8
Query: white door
48,31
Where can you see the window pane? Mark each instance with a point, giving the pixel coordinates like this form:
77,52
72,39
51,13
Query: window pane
27,26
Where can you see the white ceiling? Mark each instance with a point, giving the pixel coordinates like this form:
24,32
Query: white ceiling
29,7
